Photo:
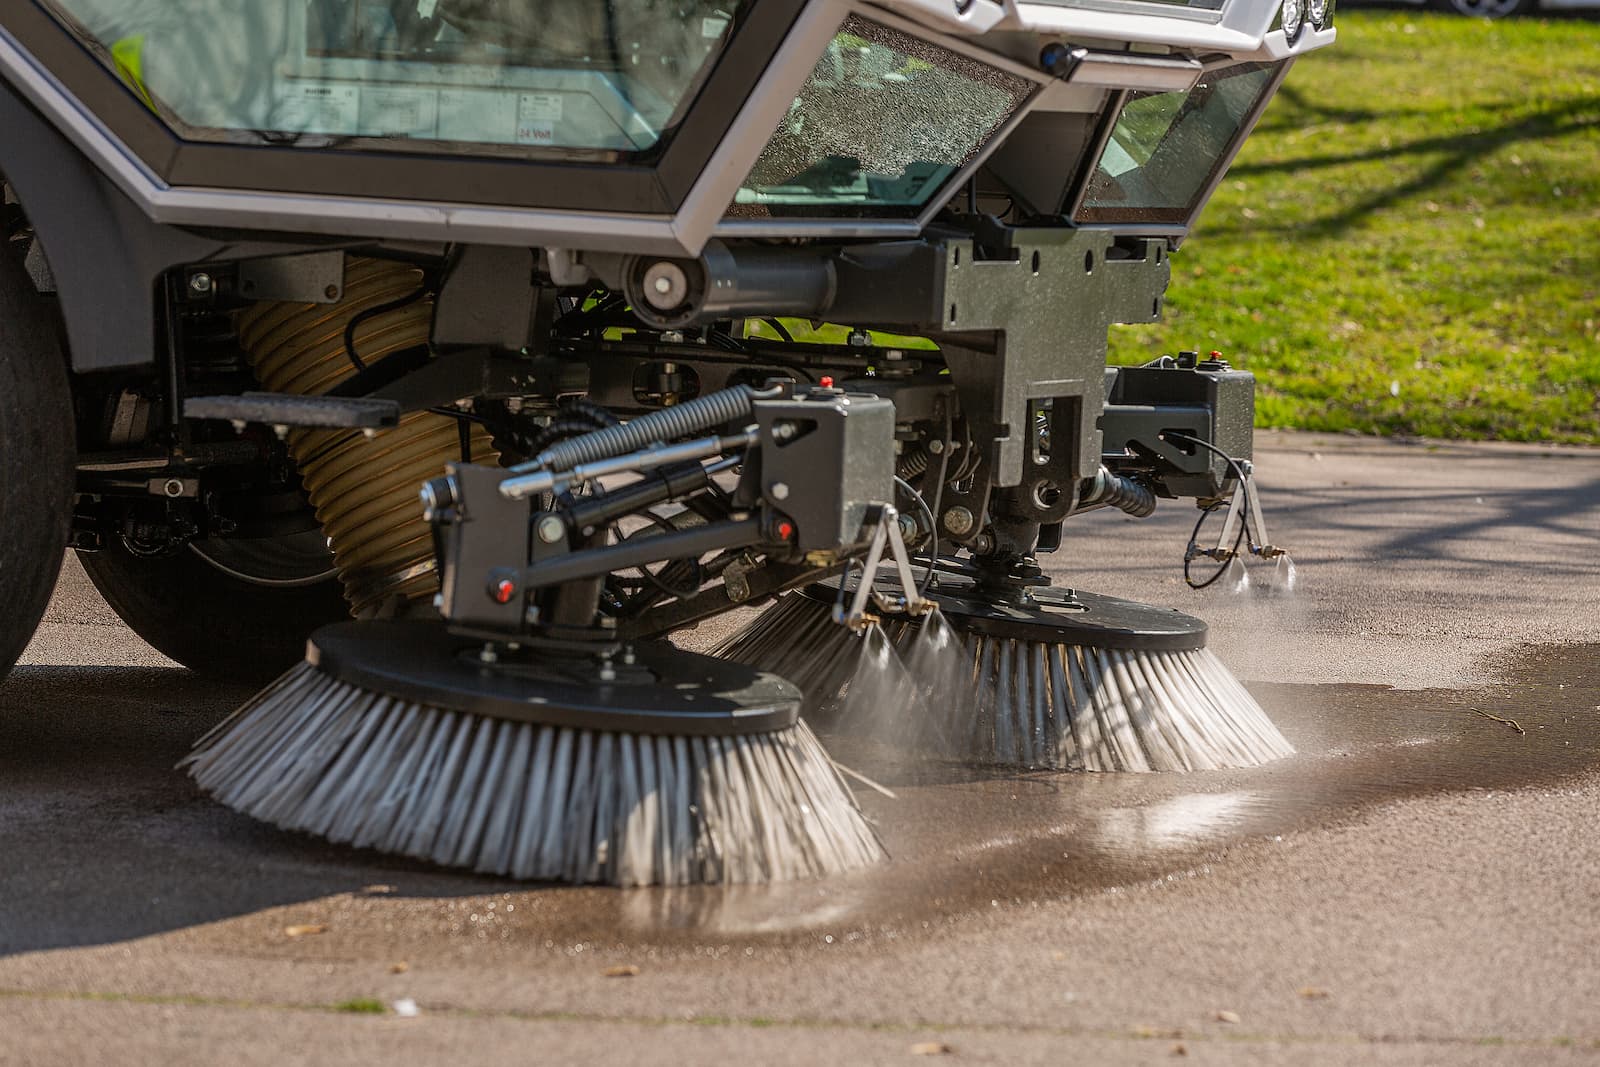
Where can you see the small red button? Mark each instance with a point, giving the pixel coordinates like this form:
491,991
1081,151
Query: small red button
504,590
785,530
826,382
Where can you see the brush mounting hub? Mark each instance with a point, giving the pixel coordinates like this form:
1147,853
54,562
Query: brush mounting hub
663,690
1052,615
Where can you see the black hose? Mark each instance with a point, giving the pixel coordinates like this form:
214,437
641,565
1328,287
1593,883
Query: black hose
1115,491
583,407
556,431
695,416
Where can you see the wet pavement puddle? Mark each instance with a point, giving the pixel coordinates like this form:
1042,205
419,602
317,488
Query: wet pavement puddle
966,839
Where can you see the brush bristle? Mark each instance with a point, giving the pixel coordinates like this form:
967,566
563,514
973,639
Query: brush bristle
315,754
1026,703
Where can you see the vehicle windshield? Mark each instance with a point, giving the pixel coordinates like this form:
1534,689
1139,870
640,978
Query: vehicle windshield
606,78
1166,149
882,124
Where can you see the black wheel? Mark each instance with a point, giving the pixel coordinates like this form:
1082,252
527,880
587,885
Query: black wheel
1483,9
239,610
38,458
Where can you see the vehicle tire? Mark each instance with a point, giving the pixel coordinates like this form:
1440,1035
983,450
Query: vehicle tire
1484,9
194,608
38,458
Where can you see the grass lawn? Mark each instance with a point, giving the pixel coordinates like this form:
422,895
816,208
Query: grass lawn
1410,243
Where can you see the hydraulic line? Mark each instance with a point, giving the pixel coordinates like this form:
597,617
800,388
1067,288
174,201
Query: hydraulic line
1109,490
364,490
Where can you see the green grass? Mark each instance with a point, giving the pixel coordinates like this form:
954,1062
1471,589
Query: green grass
1410,243
361,1006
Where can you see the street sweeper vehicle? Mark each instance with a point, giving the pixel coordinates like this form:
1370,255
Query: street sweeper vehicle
449,356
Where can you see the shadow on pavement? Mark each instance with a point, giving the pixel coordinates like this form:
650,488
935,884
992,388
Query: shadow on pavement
103,840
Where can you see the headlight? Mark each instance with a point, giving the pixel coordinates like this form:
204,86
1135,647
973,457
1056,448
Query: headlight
1294,19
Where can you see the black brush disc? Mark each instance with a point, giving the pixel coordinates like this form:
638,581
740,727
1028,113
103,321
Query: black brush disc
664,690
1050,615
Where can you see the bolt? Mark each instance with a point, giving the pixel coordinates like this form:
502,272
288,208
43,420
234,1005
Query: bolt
936,447
488,655
173,487
629,656
331,292
672,337
859,339
778,491
514,405
959,521
238,425
663,286
551,529
282,431
201,284
608,673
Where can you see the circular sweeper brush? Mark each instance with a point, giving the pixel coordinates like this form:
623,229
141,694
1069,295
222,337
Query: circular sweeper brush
1043,677
642,765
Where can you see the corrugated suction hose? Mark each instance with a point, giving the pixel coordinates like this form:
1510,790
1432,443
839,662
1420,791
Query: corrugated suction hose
364,490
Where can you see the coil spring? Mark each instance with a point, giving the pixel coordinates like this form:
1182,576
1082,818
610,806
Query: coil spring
702,413
364,491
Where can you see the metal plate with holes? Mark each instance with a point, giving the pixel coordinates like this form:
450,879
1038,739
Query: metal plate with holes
1052,615
664,691
317,278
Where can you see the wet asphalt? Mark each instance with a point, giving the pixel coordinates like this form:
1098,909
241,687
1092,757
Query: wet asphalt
1418,885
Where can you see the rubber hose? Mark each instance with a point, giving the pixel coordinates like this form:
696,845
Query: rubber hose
561,428
583,407
1115,491
697,415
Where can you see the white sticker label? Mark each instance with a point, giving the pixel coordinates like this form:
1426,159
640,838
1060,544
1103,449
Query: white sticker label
540,107
712,26
481,116
399,112
318,107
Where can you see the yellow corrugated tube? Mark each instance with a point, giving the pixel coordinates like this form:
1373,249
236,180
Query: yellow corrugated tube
364,489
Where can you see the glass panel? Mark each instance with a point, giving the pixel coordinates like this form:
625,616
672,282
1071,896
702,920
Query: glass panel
1210,10
590,79
882,124
1166,147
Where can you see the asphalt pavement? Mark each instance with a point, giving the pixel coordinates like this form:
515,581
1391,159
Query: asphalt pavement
1420,884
